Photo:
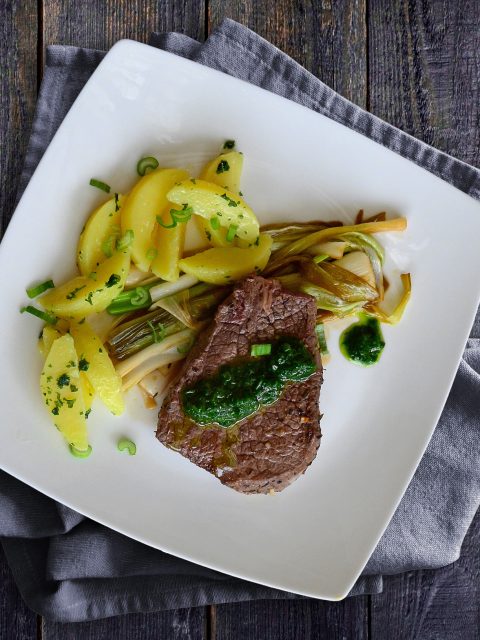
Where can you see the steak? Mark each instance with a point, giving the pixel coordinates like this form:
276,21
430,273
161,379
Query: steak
270,449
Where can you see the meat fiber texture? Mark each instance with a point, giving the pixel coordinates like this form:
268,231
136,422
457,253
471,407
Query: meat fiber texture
269,450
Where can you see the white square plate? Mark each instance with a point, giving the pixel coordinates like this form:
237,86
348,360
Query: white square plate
316,536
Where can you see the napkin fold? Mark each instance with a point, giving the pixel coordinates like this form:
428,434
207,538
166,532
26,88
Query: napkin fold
69,568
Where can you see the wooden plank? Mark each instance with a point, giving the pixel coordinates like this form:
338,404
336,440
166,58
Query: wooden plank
98,24
424,72
18,89
327,37
442,604
293,620
182,624
17,621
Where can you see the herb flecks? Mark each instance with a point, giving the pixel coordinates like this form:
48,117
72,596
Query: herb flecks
231,202
112,281
63,380
83,364
222,166
73,293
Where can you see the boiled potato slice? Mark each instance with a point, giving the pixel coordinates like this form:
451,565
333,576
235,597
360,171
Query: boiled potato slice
147,199
208,200
221,266
104,223
87,391
82,296
99,369
62,392
224,170
49,335
169,247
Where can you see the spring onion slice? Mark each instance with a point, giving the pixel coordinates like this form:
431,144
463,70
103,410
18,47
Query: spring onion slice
78,453
124,444
232,230
33,292
100,185
215,223
140,297
145,165
43,315
152,253
322,342
126,240
260,349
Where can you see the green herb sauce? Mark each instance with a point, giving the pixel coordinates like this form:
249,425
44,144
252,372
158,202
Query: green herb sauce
238,390
363,341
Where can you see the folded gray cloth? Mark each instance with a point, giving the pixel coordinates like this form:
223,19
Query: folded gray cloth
69,568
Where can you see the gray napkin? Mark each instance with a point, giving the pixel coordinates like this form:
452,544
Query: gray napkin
69,568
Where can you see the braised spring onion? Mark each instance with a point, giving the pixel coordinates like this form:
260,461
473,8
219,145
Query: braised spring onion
340,266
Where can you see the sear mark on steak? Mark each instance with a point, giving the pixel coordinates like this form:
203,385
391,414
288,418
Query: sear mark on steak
270,449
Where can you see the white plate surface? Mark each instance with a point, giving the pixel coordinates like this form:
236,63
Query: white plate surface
316,536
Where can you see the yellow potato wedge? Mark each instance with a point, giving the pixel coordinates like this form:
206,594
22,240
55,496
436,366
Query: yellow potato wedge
169,246
208,200
83,296
101,226
62,393
221,266
225,170
147,199
49,335
88,392
98,368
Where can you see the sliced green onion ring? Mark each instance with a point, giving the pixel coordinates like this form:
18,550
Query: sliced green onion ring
43,315
145,165
260,349
126,240
35,291
78,453
140,297
100,185
215,223
322,342
124,444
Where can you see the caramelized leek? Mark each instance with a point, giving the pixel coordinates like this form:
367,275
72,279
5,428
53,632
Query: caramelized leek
397,313
302,244
340,282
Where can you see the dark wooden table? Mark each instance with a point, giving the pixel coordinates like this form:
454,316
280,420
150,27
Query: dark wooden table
415,64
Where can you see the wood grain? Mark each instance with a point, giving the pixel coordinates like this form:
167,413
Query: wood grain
18,90
98,24
328,38
17,621
182,624
293,620
424,71
433,605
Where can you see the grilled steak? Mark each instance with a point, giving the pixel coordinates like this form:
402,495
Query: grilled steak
271,448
